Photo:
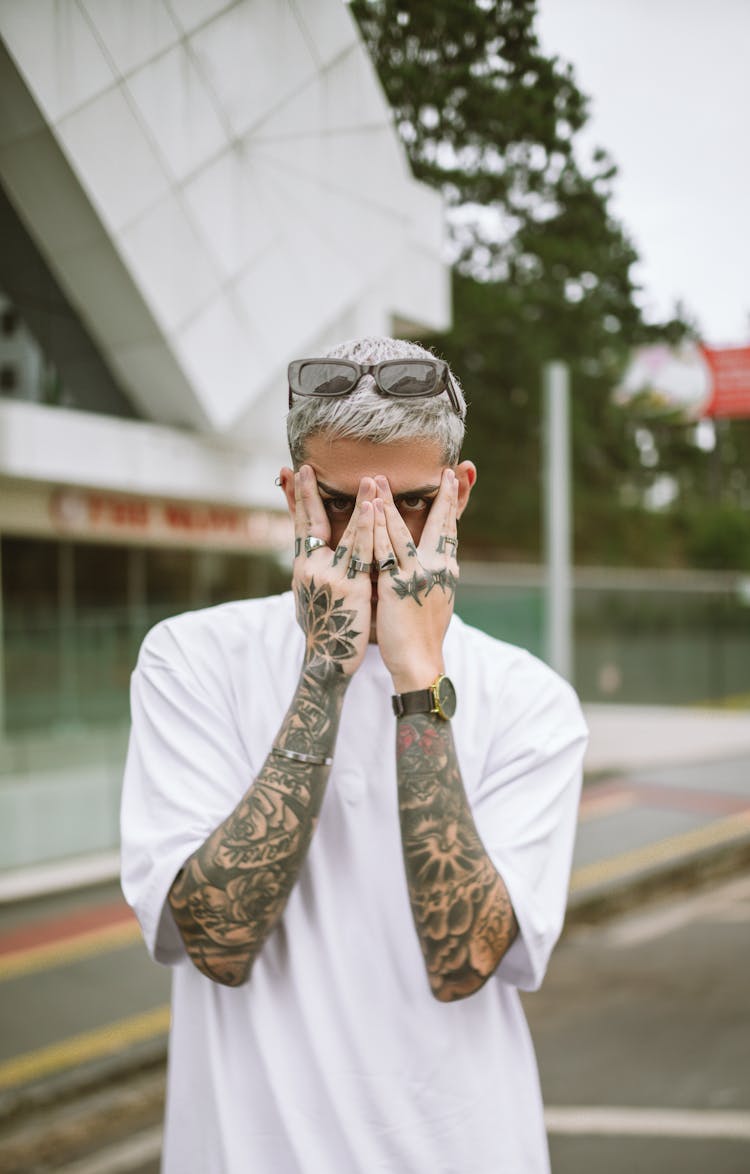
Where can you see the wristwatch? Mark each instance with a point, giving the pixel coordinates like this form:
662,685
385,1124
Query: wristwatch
440,699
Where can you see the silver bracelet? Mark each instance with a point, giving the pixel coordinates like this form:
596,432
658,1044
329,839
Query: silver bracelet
311,759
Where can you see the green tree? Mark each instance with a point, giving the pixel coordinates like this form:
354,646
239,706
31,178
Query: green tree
542,269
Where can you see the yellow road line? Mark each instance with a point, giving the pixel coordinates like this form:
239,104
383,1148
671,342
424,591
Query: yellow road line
79,1049
61,953
721,831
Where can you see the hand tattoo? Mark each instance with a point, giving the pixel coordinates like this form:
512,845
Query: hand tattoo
422,584
328,627
340,552
445,580
412,587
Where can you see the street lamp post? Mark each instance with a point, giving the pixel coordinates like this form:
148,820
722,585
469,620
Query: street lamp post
557,519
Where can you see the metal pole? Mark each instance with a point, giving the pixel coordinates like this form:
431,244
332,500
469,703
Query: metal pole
557,519
2,648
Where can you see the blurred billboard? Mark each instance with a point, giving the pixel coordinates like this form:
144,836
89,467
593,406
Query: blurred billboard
691,380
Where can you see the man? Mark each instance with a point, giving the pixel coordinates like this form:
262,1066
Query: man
350,832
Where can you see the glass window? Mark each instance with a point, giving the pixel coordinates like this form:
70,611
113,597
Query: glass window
31,623
75,615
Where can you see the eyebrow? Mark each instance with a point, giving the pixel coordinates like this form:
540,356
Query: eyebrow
420,491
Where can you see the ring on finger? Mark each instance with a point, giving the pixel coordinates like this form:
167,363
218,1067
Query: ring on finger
388,563
309,544
447,540
356,565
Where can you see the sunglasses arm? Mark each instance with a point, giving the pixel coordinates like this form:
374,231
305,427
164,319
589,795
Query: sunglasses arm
450,387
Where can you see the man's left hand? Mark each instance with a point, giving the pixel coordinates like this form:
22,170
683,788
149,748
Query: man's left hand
417,585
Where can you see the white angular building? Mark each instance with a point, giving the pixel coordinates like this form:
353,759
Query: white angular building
192,192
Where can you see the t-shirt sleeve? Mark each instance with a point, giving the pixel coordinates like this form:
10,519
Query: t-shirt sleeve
186,770
526,809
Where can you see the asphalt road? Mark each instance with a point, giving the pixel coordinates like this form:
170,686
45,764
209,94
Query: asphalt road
642,1031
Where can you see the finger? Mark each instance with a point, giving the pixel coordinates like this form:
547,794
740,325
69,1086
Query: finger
310,517
439,536
398,532
344,550
362,544
383,551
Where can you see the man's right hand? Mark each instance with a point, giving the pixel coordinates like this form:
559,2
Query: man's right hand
333,601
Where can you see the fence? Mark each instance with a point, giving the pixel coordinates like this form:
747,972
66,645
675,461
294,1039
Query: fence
646,637
660,638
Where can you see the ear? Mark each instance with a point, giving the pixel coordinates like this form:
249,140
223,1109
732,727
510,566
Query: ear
467,475
286,481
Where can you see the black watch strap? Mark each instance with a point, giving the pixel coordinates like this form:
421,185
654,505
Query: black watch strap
418,701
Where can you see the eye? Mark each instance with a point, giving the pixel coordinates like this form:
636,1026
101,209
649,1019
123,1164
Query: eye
338,507
414,504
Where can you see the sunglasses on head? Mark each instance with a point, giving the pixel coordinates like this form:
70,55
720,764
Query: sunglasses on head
399,378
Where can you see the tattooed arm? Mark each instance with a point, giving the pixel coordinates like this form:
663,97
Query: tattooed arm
462,911
461,907
232,891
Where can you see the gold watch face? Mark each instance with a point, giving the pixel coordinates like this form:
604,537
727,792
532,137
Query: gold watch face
445,697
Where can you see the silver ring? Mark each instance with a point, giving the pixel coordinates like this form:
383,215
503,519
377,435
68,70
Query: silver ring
309,544
387,563
355,566
447,540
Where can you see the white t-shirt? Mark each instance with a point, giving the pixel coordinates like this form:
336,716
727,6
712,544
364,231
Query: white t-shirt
335,1058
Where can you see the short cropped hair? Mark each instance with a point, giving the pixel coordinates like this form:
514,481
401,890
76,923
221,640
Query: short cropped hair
368,415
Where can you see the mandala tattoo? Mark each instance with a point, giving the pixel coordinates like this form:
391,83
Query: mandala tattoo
461,908
232,891
328,627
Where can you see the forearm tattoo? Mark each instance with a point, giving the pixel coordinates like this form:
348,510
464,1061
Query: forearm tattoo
462,911
232,891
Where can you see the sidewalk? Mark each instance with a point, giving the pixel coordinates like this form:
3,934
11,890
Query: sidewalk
634,737
666,803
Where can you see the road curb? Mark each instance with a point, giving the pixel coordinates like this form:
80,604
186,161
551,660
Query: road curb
81,1079
72,1128
689,871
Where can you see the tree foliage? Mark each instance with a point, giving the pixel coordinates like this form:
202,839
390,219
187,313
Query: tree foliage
491,121
542,270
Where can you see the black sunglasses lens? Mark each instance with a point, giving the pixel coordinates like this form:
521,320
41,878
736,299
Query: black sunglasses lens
326,378
411,378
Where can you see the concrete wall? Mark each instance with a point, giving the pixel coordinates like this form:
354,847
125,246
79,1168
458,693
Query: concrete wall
218,187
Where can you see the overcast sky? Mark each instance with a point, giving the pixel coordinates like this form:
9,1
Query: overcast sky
669,83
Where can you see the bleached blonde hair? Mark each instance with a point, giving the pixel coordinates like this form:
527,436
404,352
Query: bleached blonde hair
366,414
